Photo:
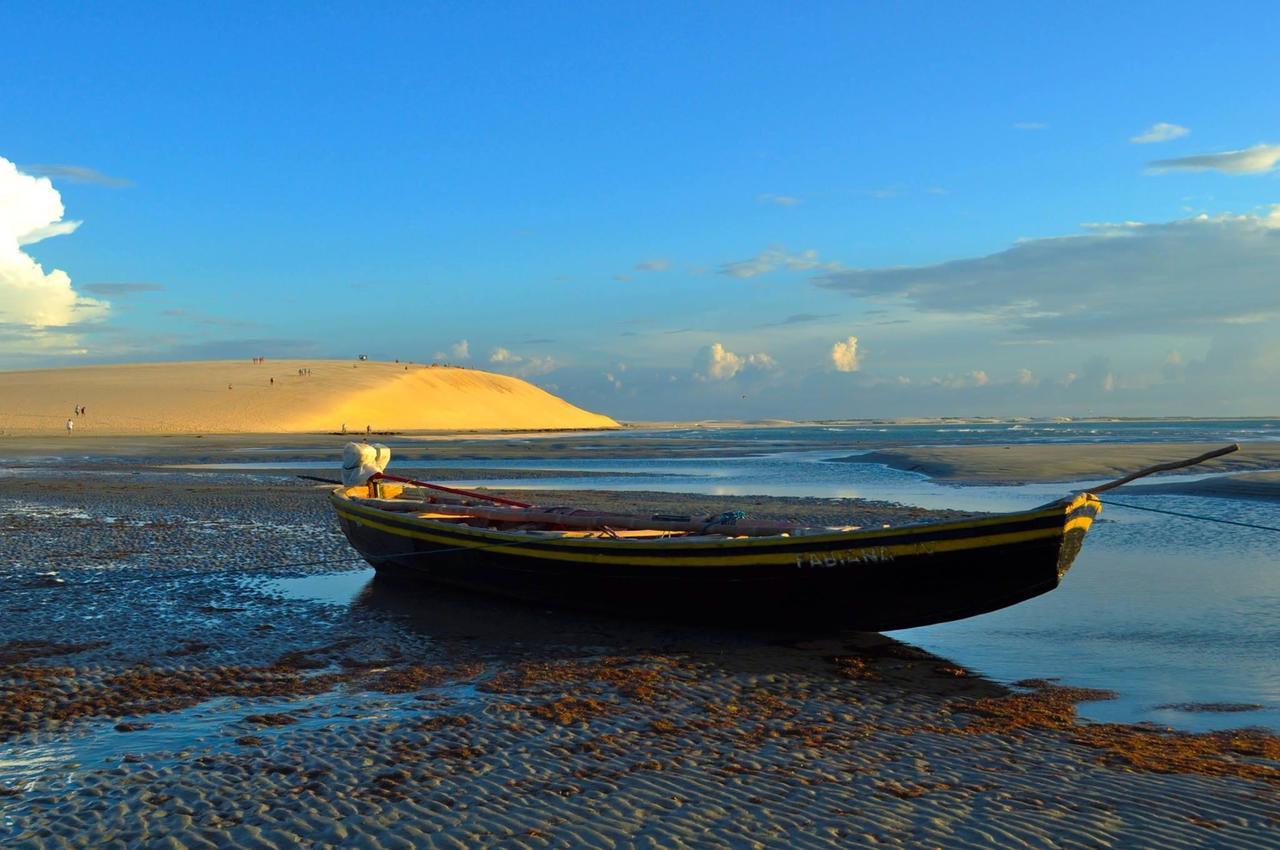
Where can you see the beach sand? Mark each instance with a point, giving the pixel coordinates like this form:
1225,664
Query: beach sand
238,396
1019,463
185,679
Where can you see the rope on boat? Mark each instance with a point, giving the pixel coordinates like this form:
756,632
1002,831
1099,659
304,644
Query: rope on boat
1190,516
726,518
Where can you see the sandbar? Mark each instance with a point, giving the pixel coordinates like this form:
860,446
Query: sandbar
1038,462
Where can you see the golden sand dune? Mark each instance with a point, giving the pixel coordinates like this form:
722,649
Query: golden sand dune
228,396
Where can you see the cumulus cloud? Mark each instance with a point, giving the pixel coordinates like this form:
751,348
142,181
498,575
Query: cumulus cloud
30,298
1161,131
520,364
716,363
774,258
1113,278
658,264
780,200
77,174
1258,159
844,355
460,350
976,378
1026,378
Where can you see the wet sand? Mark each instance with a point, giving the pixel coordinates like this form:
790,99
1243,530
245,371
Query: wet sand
164,689
1037,462
1261,486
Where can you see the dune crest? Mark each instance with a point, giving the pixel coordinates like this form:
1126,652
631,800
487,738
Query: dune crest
278,396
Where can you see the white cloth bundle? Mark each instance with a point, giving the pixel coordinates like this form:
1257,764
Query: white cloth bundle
360,461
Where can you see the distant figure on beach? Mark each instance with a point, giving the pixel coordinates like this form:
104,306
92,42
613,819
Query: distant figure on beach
77,410
344,427
70,426
368,430
228,386
83,410
273,381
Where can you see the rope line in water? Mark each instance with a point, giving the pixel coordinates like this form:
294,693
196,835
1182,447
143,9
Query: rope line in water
350,558
1190,516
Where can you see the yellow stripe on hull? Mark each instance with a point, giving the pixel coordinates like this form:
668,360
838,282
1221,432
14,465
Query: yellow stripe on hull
848,548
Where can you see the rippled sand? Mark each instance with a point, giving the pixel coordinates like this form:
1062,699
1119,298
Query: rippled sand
161,690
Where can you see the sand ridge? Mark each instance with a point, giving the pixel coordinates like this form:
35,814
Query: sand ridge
1019,463
284,396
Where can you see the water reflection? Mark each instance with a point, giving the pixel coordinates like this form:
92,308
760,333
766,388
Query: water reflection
510,631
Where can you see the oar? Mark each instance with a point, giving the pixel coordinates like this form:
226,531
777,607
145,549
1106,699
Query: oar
467,493
1164,467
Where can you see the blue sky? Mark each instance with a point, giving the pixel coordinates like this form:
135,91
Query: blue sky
667,210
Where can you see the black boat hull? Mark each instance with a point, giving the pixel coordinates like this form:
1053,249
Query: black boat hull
876,580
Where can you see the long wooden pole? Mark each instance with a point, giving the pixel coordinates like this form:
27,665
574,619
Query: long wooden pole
467,493
1165,467
590,520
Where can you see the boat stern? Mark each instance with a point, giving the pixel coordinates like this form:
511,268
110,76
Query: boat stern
1079,512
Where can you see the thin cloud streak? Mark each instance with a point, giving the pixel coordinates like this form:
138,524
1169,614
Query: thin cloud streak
121,289
1161,131
77,174
1258,159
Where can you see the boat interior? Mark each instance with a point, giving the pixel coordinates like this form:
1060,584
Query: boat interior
477,511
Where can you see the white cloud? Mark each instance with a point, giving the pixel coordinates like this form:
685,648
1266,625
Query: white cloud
976,378
31,299
844,355
1115,278
522,365
774,258
461,349
536,365
780,200
1161,131
1026,378
716,363
1258,159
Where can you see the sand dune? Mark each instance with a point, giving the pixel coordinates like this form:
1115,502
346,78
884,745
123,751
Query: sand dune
227,396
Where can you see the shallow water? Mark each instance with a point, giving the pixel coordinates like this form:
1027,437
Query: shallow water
1166,611
1161,610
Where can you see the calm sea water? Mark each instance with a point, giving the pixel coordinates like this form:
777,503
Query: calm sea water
1163,610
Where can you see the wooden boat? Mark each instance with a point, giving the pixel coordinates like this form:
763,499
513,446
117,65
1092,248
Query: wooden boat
718,568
